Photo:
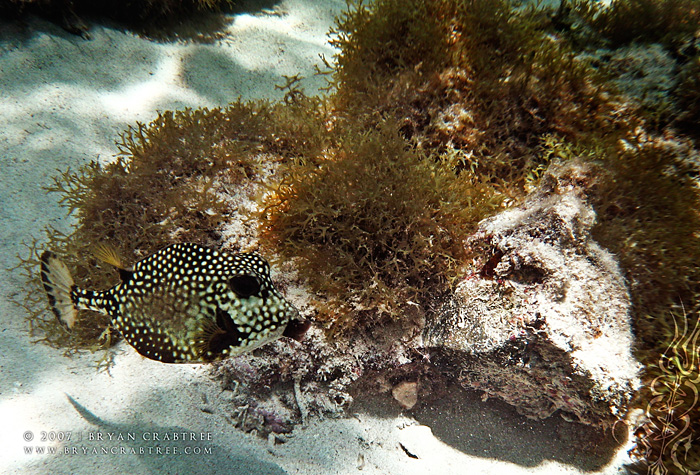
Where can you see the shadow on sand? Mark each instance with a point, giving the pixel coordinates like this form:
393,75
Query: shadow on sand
136,448
77,19
494,429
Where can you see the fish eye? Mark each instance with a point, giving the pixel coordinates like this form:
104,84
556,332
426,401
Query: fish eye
244,285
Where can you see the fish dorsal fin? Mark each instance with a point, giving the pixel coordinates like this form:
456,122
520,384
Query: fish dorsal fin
108,254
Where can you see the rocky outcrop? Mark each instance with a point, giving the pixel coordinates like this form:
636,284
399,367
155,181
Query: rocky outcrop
542,322
545,323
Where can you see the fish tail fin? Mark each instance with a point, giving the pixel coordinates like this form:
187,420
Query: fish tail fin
59,285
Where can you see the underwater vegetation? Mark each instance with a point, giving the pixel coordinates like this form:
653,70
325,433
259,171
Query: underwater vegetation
687,96
665,441
477,76
648,216
375,223
438,114
624,28
649,21
499,83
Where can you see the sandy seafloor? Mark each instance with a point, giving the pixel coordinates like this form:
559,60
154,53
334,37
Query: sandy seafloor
63,102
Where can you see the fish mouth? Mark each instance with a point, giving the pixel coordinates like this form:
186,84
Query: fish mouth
297,327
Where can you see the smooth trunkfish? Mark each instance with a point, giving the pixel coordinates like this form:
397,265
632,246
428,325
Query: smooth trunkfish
183,304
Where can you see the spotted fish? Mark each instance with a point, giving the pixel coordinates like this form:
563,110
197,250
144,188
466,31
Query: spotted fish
182,304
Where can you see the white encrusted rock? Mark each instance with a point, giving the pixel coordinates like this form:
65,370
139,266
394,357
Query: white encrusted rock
545,323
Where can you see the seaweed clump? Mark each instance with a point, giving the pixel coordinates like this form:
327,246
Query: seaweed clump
173,181
437,117
375,223
651,21
498,82
687,96
438,113
646,47
648,216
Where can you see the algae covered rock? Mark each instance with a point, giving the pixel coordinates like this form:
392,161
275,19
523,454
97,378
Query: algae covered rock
545,324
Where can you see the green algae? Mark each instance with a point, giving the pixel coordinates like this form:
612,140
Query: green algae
375,224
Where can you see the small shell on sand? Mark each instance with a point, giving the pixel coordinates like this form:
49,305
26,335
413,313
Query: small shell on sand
406,393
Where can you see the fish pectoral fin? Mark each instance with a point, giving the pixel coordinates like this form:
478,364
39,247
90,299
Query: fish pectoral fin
209,333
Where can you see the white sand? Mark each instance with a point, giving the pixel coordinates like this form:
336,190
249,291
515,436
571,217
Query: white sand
63,102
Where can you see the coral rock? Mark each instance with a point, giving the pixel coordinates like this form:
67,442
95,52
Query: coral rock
545,324
406,394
